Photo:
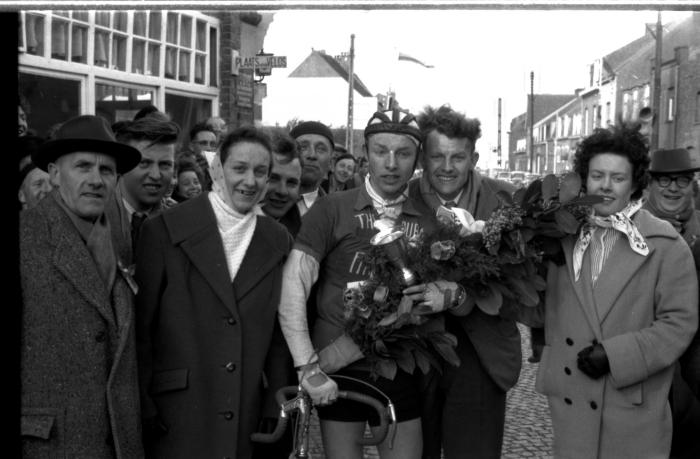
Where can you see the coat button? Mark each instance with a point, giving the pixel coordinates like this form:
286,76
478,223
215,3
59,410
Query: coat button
100,336
594,405
567,370
569,341
228,415
230,366
231,321
568,401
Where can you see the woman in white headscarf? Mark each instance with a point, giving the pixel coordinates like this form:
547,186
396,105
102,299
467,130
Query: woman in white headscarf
618,313
209,274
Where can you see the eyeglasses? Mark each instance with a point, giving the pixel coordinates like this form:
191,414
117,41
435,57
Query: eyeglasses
682,180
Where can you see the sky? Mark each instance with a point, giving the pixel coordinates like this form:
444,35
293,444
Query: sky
478,55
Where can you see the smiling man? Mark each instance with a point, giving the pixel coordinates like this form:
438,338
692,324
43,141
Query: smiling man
329,247
140,192
467,421
671,198
78,350
284,184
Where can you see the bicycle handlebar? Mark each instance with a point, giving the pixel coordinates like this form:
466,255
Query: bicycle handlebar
303,403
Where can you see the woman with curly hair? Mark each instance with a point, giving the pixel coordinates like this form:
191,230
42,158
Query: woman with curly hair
618,312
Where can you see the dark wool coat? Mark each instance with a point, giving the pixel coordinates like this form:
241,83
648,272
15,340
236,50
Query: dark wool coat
78,364
202,340
496,339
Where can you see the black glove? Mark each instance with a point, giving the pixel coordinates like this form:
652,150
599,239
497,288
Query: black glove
153,427
593,361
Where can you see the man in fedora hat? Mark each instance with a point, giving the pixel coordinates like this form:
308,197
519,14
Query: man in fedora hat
671,198
79,386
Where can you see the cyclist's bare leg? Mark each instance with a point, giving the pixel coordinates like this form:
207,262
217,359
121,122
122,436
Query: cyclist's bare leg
408,443
340,439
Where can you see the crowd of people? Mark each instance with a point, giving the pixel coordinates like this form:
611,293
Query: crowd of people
169,289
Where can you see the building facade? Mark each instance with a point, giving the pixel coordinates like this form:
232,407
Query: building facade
113,63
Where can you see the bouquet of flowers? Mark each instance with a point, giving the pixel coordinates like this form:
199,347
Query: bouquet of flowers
499,262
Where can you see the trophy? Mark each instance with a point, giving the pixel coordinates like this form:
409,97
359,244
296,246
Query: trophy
394,244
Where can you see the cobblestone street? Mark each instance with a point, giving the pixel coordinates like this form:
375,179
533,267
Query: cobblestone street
528,430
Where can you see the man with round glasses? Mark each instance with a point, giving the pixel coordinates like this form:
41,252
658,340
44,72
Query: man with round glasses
671,198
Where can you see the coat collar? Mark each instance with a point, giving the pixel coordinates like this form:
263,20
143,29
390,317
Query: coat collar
72,258
622,261
193,226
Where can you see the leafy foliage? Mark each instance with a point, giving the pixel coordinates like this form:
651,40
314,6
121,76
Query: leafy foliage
500,268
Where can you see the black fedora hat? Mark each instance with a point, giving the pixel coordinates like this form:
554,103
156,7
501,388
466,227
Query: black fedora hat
674,160
87,133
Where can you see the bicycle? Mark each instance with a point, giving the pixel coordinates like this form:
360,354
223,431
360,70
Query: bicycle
301,403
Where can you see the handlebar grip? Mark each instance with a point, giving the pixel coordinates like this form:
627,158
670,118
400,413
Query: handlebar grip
285,393
274,435
281,396
381,410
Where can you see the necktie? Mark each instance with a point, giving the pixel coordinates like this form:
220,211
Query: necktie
137,220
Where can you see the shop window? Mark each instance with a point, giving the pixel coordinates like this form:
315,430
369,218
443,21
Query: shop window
140,19
120,20
213,58
201,42
34,31
49,100
81,16
154,27
138,56
171,28
153,60
117,103
79,39
186,111
119,52
102,18
59,39
186,32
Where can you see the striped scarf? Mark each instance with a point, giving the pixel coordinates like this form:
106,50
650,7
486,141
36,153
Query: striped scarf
611,227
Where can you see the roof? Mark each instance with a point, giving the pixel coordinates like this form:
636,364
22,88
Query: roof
632,63
545,104
318,64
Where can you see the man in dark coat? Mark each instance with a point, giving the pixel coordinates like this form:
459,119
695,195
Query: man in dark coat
209,272
79,395
464,408
140,193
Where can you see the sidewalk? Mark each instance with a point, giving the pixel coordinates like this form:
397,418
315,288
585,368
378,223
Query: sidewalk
528,429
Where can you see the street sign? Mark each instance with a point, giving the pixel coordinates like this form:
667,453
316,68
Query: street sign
260,62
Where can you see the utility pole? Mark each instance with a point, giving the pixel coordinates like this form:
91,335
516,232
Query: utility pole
498,148
656,91
532,122
351,80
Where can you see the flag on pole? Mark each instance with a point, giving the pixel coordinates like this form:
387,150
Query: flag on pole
406,57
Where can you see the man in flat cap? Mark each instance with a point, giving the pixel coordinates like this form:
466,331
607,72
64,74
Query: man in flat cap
79,387
315,143
671,198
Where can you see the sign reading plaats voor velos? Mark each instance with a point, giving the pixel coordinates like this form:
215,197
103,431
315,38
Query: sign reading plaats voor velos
251,62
